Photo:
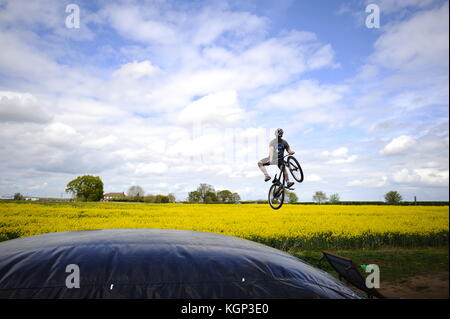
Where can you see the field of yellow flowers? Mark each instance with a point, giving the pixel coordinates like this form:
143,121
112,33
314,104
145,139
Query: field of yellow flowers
292,227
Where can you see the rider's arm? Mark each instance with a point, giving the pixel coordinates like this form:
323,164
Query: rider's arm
288,148
271,154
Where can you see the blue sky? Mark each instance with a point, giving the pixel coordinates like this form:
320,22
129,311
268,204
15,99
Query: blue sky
170,94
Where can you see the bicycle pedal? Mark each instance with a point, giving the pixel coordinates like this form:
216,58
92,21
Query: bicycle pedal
291,189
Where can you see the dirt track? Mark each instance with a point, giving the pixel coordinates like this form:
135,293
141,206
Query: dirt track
420,287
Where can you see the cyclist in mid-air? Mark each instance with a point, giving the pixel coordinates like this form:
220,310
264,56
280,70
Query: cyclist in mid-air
276,153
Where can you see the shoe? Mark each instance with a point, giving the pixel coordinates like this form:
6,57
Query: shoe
267,178
290,184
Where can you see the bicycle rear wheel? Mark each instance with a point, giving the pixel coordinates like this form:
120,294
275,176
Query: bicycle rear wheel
295,169
276,196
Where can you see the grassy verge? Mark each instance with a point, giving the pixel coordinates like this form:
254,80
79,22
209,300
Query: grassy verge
367,240
396,264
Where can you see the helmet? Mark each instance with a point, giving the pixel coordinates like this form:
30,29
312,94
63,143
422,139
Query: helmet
279,132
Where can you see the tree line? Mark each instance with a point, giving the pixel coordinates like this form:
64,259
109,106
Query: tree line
391,198
137,194
90,188
158,199
206,194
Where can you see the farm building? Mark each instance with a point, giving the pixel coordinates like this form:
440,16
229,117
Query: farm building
110,196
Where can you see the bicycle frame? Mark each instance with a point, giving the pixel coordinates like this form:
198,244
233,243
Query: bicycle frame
282,175
279,183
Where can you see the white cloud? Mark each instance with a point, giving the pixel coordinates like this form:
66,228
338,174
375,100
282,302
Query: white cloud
88,111
206,71
369,182
421,41
205,144
332,115
391,6
251,174
139,24
404,176
306,94
357,121
413,99
218,108
39,186
349,159
188,71
19,58
408,69
21,107
312,178
367,72
383,126
30,14
339,156
339,152
322,57
142,169
221,21
388,8
60,135
101,142
136,70
432,164
398,145
422,176
23,14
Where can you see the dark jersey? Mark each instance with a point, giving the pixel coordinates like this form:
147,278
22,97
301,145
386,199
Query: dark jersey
278,149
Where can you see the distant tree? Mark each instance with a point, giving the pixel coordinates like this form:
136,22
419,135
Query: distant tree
194,197
158,198
210,198
334,198
319,197
18,196
161,199
235,198
225,196
205,193
204,190
291,197
135,191
228,197
171,197
393,197
86,188
149,199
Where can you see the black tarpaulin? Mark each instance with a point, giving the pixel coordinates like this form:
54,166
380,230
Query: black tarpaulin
154,263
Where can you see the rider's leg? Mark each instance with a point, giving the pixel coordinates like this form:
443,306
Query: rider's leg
286,176
262,168
261,165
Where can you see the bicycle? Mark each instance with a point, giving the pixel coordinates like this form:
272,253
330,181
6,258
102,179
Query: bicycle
277,190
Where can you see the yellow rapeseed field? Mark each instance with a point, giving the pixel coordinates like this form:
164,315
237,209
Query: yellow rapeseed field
292,227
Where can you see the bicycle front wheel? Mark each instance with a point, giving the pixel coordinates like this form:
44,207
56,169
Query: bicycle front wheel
276,196
295,169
